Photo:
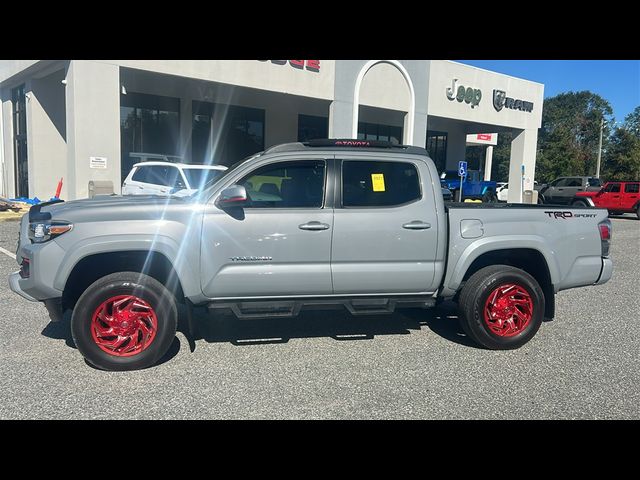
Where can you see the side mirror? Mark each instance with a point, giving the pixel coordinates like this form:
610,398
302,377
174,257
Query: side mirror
233,196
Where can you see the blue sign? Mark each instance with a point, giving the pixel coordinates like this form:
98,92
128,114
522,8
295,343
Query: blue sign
462,168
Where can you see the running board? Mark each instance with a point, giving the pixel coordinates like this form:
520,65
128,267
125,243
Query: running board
251,309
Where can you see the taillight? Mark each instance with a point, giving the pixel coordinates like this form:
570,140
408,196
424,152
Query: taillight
605,237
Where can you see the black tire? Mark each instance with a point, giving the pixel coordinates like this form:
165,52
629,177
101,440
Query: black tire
489,197
579,203
146,288
638,212
540,199
475,294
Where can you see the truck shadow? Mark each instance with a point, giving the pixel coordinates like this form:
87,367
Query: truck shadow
336,324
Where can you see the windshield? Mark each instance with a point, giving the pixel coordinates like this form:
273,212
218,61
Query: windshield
200,178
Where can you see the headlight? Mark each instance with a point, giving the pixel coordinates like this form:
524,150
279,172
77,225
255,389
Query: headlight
40,232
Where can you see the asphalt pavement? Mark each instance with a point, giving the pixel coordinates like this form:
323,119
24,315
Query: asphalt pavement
414,364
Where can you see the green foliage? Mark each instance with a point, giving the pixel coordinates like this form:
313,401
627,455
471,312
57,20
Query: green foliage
632,122
622,160
568,139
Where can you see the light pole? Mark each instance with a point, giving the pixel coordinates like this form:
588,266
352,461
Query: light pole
599,148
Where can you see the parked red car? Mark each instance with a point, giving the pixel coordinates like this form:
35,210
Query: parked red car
617,197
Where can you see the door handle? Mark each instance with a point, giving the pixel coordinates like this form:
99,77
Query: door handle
313,226
416,225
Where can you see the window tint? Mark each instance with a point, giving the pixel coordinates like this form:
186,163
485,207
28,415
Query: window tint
594,182
140,174
574,182
379,184
560,182
613,188
286,185
632,188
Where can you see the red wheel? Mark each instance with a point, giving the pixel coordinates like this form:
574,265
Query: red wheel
501,307
124,325
508,310
124,321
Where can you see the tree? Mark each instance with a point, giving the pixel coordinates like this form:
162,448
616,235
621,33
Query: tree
622,161
568,139
632,122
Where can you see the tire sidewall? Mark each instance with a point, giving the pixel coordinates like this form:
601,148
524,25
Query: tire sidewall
481,329
143,287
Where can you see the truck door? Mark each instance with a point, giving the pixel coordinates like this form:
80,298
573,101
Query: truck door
631,196
566,191
385,227
280,243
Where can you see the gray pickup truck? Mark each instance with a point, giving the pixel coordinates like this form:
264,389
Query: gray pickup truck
333,223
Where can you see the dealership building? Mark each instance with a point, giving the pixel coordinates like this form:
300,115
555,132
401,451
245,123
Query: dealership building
89,121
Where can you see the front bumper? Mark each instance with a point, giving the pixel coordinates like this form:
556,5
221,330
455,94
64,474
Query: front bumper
606,272
14,284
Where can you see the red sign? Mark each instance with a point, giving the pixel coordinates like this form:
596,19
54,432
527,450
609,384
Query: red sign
310,65
483,136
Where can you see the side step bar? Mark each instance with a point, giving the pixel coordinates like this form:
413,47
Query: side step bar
251,309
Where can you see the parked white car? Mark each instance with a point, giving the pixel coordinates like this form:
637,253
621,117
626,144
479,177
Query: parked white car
166,178
502,190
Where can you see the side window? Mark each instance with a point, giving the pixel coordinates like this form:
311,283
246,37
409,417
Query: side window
173,178
157,175
379,184
561,182
632,188
594,182
140,175
286,185
613,188
574,182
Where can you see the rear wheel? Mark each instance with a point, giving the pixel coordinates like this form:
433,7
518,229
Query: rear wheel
579,203
124,321
501,307
638,212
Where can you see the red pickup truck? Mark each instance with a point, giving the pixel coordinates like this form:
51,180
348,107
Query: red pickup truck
617,197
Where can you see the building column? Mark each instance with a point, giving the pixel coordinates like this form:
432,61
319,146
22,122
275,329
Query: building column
419,130
523,152
488,160
340,118
92,125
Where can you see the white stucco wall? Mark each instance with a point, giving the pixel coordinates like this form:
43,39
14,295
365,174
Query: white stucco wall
384,87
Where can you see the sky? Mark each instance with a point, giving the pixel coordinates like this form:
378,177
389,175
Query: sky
618,81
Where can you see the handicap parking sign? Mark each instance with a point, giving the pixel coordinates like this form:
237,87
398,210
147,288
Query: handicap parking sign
462,168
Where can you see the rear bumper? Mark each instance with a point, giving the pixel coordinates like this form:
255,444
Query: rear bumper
606,272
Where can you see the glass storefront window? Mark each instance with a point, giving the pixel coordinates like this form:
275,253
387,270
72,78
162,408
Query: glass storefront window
224,134
311,127
437,148
148,124
374,131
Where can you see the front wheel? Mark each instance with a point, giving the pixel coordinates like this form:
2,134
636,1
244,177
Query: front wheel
124,321
501,307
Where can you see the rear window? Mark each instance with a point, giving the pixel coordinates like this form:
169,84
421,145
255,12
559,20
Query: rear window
594,182
140,175
632,188
379,184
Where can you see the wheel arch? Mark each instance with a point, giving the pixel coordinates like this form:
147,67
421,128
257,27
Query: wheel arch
92,267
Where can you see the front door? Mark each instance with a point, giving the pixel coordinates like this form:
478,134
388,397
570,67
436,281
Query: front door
280,243
385,227
611,196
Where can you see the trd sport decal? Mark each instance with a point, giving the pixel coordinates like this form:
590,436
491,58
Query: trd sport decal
564,215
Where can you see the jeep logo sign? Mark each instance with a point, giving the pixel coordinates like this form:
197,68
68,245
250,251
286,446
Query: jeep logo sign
468,95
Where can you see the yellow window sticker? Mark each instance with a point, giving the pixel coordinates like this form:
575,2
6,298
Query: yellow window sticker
377,179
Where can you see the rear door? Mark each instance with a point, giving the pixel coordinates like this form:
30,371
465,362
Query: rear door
566,191
631,196
385,226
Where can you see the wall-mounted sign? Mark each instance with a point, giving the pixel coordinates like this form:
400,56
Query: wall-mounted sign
468,95
482,139
310,65
97,162
501,100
